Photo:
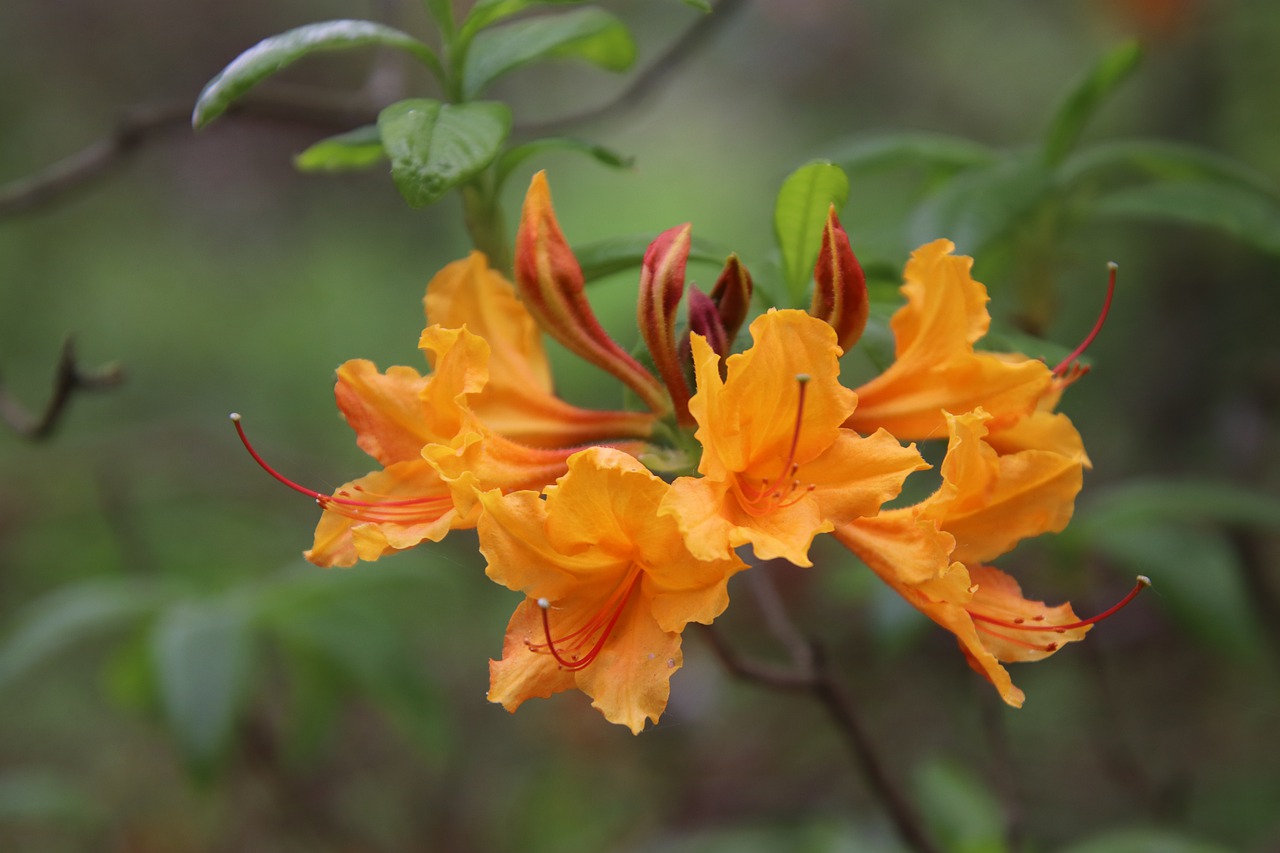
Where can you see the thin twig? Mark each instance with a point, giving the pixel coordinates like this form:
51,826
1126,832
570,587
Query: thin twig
650,80
141,125
821,681
69,378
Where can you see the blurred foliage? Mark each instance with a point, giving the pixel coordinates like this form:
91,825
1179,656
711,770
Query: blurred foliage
174,679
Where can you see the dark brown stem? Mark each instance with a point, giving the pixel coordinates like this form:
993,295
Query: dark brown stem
144,124
650,80
69,378
820,680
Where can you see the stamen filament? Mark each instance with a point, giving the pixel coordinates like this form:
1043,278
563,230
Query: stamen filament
1067,362
381,509
1018,625
613,606
1047,647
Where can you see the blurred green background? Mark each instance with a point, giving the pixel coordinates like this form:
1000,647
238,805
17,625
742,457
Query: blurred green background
174,677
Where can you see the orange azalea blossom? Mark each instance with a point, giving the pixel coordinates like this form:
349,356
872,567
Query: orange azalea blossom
485,418
777,467
937,368
934,553
609,586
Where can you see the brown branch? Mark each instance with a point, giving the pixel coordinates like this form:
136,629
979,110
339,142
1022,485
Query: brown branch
820,680
146,123
645,84
69,378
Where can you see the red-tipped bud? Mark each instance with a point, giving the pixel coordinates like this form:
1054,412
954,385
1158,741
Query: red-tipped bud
661,286
732,296
705,320
553,288
840,288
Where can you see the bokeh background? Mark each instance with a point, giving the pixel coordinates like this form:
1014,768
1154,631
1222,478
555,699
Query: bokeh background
174,677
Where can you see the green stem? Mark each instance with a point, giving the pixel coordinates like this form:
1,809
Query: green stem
485,223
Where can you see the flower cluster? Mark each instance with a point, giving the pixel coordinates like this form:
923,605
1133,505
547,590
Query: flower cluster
614,560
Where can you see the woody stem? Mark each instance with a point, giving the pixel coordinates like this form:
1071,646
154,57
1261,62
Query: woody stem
811,672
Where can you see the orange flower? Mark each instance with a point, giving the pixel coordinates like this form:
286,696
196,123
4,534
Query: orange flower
934,553
609,586
485,418
777,467
936,367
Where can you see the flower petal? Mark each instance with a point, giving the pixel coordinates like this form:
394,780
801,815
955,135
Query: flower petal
936,367
382,522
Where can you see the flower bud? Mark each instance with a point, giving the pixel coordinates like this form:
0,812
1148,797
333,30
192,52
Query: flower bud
732,298
661,286
552,286
840,288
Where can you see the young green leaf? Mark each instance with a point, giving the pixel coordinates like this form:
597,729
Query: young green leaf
355,149
434,147
1083,101
515,156
591,35
200,650
1241,212
800,215
275,53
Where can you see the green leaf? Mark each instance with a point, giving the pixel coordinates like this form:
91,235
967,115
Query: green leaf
273,54
1177,501
894,150
981,205
201,653
1195,575
1143,841
1083,101
441,12
1238,211
435,147
591,35
515,156
1157,158
799,216
355,149
486,12
617,254
68,616
700,5
964,815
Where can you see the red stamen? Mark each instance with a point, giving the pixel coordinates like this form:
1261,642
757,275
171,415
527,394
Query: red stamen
382,508
608,616
777,493
1068,362
1020,625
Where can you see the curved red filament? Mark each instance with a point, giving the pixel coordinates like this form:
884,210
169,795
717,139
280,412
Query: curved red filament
376,508
568,649
1068,365
1037,623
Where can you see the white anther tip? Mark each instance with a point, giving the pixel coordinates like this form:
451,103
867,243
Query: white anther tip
544,604
802,377
1113,266
1143,580
235,416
